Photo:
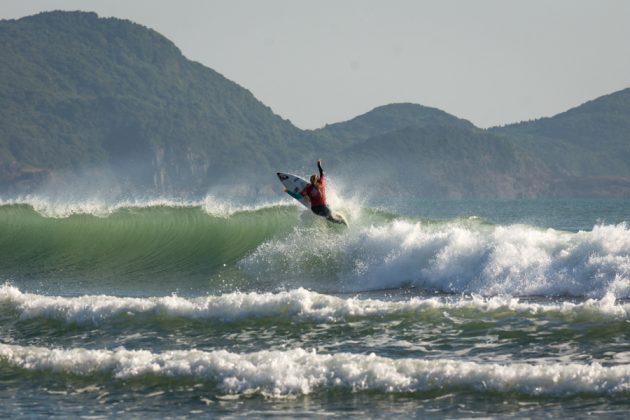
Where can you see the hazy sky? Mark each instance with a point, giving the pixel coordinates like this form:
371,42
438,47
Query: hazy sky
316,62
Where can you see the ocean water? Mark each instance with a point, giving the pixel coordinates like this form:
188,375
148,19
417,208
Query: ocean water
420,308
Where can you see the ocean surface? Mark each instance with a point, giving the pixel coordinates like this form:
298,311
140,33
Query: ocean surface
420,308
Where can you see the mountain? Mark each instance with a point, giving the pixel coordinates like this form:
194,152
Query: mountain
107,96
389,118
584,152
591,141
109,105
587,148
409,149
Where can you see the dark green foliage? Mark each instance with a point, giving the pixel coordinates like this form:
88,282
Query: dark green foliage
592,140
389,118
82,92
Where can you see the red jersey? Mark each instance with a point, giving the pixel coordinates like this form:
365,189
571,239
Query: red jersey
317,197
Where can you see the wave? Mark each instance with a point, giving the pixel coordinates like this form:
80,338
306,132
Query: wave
460,256
301,372
133,242
281,246
294,304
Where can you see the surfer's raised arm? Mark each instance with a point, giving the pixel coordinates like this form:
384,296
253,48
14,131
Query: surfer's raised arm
319,166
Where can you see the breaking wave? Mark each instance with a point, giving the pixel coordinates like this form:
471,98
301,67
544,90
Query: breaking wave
282,246
294,304
300,372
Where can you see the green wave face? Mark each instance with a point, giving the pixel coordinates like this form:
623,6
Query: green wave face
155,243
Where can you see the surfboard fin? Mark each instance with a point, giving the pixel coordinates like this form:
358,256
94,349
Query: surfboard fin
337,218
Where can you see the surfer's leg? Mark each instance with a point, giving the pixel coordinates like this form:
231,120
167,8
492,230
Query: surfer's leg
323,211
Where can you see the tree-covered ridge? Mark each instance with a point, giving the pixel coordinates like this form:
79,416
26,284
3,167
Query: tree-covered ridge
592,139
389,118
81,91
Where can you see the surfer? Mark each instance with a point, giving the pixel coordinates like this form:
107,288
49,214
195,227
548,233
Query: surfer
313,193
316,193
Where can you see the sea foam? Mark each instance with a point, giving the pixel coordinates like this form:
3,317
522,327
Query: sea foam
300,372
298,304
457,257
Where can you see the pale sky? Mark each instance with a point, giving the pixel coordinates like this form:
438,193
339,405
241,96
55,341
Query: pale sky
492,62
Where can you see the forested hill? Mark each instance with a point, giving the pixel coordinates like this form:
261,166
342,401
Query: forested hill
590,140
87,99
80,93
388,118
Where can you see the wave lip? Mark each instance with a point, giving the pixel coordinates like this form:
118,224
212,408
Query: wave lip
301,372
297,303
60,208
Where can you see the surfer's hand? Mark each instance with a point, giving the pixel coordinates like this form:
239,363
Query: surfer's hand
319,162
285,189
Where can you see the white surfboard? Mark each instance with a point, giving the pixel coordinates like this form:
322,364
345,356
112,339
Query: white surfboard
295,185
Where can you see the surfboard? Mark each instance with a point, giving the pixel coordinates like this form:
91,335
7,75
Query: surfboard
295,185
